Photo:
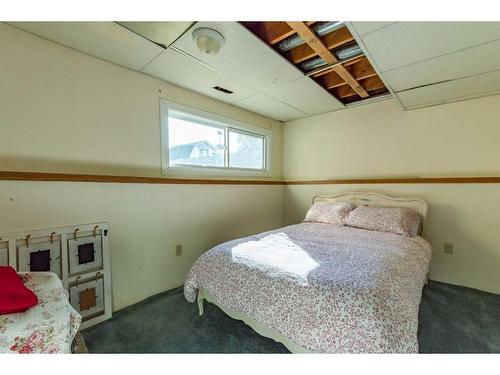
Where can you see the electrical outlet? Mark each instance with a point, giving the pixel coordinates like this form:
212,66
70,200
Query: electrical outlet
448,248
178,250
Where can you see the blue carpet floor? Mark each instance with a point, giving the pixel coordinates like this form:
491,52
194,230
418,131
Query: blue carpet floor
452,319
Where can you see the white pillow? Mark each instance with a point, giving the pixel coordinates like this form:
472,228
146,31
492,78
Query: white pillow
329,212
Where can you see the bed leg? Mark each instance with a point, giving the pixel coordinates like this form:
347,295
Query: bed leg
200,304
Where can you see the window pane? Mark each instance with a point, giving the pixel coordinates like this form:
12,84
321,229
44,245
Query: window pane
246,150
192,143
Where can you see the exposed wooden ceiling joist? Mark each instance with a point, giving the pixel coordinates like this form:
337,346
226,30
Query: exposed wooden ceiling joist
317,45
361,70
348,80
369,84
327,69
313,41
331,41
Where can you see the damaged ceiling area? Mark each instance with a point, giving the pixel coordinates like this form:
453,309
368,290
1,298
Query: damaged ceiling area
327,53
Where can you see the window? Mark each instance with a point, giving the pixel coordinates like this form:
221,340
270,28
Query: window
203,143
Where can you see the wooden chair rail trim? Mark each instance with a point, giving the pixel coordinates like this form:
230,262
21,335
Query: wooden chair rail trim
69,177
401,180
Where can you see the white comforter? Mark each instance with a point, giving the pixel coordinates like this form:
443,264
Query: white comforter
326,288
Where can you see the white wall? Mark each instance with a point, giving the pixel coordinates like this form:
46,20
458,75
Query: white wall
64,111
380,140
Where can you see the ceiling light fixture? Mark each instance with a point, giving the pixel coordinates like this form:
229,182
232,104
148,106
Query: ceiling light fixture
208,40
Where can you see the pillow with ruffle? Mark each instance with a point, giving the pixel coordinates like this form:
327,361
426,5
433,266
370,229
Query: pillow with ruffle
329,212
396,220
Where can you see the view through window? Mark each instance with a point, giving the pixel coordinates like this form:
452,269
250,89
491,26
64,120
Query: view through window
194,141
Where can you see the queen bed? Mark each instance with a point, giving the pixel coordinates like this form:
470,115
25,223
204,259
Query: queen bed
323,288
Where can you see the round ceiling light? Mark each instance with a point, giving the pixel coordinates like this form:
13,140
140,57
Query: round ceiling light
208,40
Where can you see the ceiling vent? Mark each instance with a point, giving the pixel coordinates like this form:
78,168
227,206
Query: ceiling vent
222,89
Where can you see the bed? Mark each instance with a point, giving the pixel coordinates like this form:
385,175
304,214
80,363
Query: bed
49,327
322,288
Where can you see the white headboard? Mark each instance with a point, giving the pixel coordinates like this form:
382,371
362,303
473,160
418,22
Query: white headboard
376,200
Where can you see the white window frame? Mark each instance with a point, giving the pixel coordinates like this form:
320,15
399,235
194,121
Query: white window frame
213,120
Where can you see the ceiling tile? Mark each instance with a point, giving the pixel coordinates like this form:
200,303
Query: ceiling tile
365,27
106,40
470,87
243,56
471,61
184,71
305,95
164,33
270,107
405,43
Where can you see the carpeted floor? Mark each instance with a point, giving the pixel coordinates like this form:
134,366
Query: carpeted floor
453,319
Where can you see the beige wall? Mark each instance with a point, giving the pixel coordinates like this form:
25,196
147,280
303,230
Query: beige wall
64,111
380,140
147,221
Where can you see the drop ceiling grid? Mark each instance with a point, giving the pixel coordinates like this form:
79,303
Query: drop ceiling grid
270,107
184,71
287,93
436,62
272,91
157,32
471,61
243,57
115,43
459,89
305,95
105,40
363,28
412,42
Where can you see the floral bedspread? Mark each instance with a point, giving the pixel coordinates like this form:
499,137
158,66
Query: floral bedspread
48,327
326,288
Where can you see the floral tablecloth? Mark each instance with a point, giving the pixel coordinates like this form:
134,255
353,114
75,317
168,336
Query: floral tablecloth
48,327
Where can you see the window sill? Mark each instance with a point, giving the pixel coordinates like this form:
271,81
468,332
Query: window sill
194,171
